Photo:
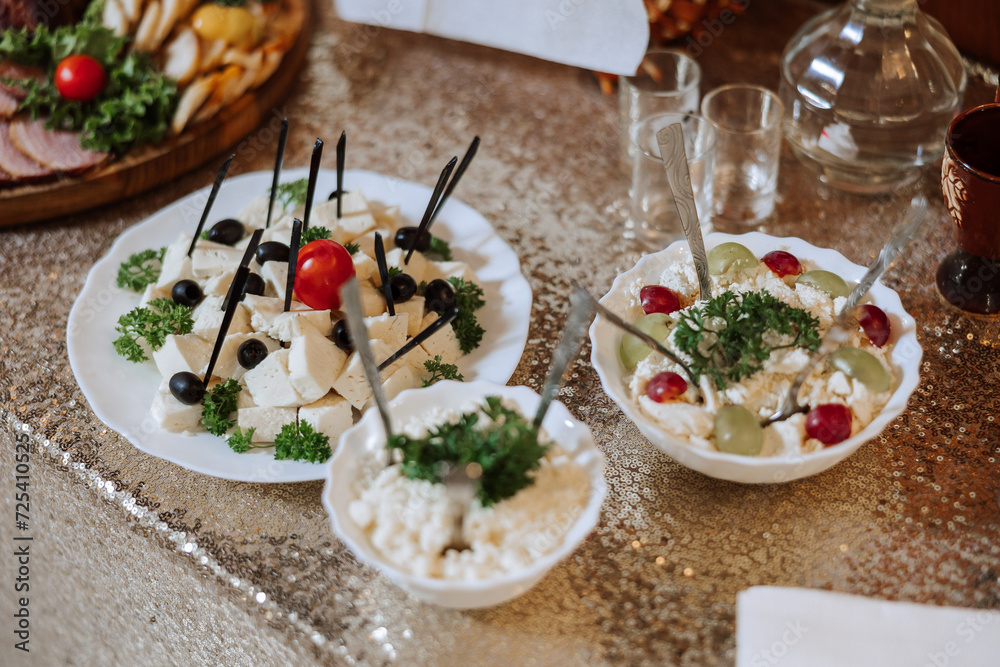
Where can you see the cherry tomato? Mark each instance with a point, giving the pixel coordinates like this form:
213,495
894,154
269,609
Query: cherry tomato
80,78
322,268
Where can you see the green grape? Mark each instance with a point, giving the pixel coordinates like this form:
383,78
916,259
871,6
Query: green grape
825,281
633,350
726,256
737,431
862,366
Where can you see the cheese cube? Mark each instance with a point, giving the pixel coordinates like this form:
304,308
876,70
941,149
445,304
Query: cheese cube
275,275
254,215
364,266
416,359
210,259
403,378
266,421
208,318
352,202
414,310
270,385
446,270
228,366
386,216
366,242
330,415
388,328
314,362
219,285
154,292
352,383
176,264
189,352
244,399
267,315
372,300
416,267
351,227
443,342
172,415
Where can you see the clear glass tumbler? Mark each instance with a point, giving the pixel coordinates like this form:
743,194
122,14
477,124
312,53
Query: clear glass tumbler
654,221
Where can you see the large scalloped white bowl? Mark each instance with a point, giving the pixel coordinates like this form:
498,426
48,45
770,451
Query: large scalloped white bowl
357,443
906,355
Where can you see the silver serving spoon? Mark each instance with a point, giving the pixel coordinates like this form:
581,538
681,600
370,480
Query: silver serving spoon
580,315
671,140
351,296
916,218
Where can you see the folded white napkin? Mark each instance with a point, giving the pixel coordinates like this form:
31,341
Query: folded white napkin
603,35
800,626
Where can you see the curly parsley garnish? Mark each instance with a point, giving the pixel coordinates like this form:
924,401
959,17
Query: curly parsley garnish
351,248
159,319
141,269
217,405
468,299
241,441
293,193
440,248
731,336
441,371
507,451
314,233
301,443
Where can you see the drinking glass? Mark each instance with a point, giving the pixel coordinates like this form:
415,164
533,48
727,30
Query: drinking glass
748,120
654,221
667,81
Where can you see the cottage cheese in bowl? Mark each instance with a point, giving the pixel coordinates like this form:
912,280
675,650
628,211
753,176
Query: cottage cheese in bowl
407,527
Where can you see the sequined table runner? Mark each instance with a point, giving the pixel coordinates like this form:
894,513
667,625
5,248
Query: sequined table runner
138,561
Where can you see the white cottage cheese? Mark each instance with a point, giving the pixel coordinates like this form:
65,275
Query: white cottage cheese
412,522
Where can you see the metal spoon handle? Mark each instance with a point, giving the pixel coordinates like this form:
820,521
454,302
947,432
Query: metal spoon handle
580,314
671,141
350,294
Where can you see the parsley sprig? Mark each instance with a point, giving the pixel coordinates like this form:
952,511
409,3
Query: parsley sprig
314,233
217,405
507,451
153,323
468,299
300,442
352,248
242,441
293,193
726,337
441,371
440,248
141,269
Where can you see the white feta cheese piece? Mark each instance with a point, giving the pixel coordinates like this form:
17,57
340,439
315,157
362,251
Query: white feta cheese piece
364,266
176,263
352,203
446,270
270,385
314,362
404,378
219,285
416,268
208,318
351,227
416,358
330,415
210,259
254,215
172,415
267,315
244,399
414,310
275,275
280,229
372,300
188,352
386,216
366,242
266,421
352,383
154,292
228,366
388,328
443,342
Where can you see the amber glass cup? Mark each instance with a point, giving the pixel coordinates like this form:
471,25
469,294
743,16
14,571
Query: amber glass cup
969,278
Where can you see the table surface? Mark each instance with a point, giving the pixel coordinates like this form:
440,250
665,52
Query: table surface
140,561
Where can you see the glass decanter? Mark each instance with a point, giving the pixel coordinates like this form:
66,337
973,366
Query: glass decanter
869,90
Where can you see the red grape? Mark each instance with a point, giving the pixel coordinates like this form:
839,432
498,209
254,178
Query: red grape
665,387
782,263
829,423
875,323
658,299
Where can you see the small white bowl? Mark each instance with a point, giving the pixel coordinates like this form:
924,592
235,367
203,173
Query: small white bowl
906,355
356,443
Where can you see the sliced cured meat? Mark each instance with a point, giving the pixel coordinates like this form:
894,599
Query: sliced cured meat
15,71
8,105
57,150
16,163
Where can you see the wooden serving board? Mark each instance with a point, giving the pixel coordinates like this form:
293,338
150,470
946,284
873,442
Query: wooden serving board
149,166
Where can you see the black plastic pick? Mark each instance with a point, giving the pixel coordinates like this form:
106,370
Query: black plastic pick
293,261
383,272
462,166
311,188
219,177
341,154
425,222
248,254
278,161
236,287
431,329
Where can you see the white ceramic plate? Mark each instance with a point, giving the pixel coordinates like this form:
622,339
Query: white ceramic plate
121,392
357,443
906,355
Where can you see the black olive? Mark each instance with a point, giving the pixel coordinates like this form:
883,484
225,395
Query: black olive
403,287
341,337
272,251
254,285
187,388
250,353
227,232
440,295
404,237
186,293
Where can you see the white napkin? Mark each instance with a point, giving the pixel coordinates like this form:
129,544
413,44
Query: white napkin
799,626
603,35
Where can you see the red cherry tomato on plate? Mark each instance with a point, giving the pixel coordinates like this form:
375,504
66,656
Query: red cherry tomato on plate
80,78
322,268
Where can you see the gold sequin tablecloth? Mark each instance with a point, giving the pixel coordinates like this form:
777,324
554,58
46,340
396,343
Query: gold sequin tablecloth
138,561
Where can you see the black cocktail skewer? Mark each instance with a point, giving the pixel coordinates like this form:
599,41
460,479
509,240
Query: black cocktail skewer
341,156
383,272
311,188
456,177
219,177
293,260
278,161
431,329
248,254
431,205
